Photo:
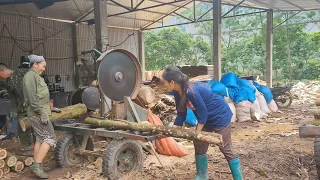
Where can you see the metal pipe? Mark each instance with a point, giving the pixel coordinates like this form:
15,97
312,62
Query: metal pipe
233,8
165,16
286,20
124,7
145,8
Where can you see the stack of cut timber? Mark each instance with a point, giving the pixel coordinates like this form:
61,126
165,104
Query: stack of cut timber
10,162
165,108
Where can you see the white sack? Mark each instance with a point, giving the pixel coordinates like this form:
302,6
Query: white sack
255,111
233,110
263,103
273,106
243,111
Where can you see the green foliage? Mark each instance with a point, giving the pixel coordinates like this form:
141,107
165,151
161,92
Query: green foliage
296,51
172,47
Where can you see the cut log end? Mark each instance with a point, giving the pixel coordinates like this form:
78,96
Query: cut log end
3,153
11,161
2,163
28,161
6,170
18,167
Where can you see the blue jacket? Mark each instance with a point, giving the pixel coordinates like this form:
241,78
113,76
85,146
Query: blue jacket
210,109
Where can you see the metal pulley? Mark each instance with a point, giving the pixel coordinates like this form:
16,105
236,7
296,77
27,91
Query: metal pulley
119,74
90,97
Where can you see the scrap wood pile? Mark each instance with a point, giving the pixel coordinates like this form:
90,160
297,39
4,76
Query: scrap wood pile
306,92
165,108
13,163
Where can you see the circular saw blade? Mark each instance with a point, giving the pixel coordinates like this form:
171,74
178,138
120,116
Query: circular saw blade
119,74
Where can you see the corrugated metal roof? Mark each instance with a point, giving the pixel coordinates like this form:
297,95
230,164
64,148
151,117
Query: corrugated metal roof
72,10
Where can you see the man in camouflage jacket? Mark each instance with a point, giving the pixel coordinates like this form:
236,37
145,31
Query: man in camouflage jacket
14,86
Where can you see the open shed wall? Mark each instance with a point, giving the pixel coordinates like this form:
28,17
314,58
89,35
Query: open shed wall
53,40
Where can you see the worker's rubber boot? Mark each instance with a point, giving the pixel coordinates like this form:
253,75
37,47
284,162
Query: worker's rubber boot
235,168
202,167
38,170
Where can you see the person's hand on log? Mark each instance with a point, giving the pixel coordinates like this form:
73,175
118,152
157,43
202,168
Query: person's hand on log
44,118
199,127
55,109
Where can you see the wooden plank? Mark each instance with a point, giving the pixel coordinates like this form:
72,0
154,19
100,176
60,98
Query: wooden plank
309,131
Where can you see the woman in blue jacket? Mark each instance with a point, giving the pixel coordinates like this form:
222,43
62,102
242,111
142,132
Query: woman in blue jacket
213,115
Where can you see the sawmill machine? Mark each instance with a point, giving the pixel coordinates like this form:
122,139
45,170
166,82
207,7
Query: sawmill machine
119,79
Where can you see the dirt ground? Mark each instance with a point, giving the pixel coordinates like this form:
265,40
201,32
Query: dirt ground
270,149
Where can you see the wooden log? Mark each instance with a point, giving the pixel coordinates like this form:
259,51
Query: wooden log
18,167
26,160
11,160
146,95
69,112
3,153
1,173
2,163
6,169
212,138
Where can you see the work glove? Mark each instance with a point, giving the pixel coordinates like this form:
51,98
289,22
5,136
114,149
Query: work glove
55,109
44,118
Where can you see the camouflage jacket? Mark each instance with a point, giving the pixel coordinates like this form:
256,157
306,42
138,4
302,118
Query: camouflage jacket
14,86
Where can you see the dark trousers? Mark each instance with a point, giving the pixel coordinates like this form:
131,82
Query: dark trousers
202,147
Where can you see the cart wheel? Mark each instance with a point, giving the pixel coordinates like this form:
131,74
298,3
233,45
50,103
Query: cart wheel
317,154
64,151
286,100
122,157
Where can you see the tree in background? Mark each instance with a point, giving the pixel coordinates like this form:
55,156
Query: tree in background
172,47
296,53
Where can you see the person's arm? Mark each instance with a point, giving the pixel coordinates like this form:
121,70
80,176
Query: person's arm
201,111
181,116
30,89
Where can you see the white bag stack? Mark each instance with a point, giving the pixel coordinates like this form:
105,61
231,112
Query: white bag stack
255,111
243,111
273,106
232,108
262,103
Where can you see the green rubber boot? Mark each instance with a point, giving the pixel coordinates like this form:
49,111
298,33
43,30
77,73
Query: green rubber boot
235,168
202,167
38,171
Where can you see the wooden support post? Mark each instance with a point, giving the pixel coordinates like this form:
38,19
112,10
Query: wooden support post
102,38
269,46
217,39
76,52
142,55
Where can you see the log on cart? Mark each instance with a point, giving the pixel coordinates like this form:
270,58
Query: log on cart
212,138
69,112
